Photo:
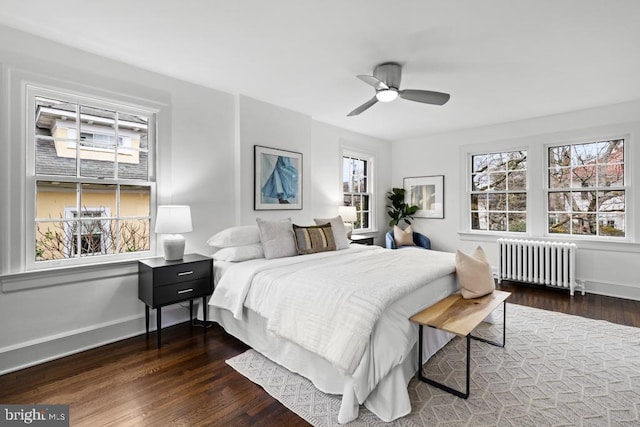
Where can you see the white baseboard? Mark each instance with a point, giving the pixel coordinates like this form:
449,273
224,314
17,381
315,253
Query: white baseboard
618,290
32,353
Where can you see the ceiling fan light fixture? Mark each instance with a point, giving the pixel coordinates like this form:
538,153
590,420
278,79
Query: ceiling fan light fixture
387,95
386,81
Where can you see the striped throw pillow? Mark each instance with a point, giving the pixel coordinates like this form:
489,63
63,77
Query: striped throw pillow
314,238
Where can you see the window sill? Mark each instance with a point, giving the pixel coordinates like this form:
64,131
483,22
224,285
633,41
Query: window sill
598,245
365,232
65,275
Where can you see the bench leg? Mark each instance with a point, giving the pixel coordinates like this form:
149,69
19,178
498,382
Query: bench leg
504,330
445,387
436,383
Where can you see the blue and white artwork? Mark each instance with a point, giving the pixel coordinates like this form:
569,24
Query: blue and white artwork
278,175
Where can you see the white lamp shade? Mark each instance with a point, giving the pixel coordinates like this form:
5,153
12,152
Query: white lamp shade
173,219
348,213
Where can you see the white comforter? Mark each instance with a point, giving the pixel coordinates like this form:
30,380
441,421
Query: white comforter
328,303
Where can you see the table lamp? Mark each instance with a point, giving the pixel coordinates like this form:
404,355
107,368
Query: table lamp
173,220
349,216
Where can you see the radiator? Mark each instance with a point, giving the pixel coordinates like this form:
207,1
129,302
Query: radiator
538,262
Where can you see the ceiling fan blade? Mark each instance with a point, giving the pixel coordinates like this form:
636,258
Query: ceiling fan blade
373,81
363,107
425,96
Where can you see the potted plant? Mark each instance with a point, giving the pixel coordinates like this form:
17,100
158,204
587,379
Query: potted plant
398,209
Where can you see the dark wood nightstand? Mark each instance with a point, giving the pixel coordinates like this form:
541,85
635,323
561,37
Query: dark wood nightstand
361,240
162,282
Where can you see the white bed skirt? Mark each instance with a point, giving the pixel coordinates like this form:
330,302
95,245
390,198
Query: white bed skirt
389,398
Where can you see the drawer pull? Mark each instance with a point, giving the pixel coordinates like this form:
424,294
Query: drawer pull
184,291
185,273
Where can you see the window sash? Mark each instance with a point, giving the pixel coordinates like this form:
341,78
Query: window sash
357,188
498,192
363,210
580,210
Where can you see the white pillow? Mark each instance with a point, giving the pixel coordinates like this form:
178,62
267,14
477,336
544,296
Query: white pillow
235,236
339,230
475,278
239,253
277,238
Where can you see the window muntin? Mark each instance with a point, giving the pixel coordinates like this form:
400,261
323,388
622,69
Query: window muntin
586,189
356,188
81,174
498,193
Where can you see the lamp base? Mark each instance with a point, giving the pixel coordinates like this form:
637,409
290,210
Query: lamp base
173,246
349,228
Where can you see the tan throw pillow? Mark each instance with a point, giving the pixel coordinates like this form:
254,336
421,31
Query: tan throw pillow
475,278
314,238
403,237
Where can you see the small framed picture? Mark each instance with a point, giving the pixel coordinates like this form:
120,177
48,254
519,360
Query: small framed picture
278,179
427,192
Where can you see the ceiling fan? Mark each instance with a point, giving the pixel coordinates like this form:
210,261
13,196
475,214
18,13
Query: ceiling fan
386,81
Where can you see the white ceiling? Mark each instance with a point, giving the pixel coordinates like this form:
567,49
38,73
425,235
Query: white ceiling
501,60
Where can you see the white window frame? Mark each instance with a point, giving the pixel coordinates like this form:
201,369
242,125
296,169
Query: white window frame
628,237
31,91
370,159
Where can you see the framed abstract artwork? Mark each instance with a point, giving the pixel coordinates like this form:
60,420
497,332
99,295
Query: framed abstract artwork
428,193
277,179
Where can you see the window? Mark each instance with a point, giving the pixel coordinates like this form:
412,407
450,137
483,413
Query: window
90,177
356,188
586,189
101,140
499,191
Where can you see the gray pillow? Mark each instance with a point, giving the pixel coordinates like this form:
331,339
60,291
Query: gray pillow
277,238
339,232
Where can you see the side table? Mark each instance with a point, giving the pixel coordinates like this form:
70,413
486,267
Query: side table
162,282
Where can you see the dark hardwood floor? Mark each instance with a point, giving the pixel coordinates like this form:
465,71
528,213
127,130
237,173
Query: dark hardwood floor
187,381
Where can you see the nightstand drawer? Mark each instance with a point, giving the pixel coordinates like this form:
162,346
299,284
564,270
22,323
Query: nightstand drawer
181,273
361,240
181,291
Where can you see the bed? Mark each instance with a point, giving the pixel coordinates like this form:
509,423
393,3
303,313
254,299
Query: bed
339,318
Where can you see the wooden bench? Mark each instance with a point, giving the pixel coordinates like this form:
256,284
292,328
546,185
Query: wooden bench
459,316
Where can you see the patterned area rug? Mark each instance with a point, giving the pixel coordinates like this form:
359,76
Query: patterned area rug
556,370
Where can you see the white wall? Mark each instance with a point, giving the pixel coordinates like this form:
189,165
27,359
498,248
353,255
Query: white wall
608,268
320,144
328,143
46,315
205,160
275,127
